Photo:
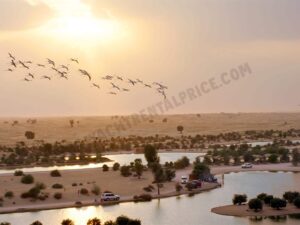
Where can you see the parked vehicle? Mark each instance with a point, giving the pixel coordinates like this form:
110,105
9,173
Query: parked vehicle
109,197
247,166
184,179
197,183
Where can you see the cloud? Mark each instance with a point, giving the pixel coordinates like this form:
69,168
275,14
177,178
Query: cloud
22,15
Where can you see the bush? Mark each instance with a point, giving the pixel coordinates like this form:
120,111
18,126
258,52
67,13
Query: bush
142,198
178,187
239,199
5,223
297,202
36,223
255,204
57,195
74,184
116,166
290,196
262,196
105,168
19,173
268,199
125,171
29,135
9,194
27,179
169,174
122,220
278,203
182,163
95,190
41,186
32,193
55,173
84,191
57,186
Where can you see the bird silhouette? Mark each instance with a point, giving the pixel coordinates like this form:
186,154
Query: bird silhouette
120,78
12,62
64,76
107,77
160,85
64,67
31,75
23,64
139,81
26,79
84,72
46,77
162,92
10,69
96,85
29,62
115,86
132,82
51,62
147,85
11,56
112,93
74,60
40,65
125,89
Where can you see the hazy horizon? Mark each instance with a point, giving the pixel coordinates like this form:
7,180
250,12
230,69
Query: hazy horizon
179,44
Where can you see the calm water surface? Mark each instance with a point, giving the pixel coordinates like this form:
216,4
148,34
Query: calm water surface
179,210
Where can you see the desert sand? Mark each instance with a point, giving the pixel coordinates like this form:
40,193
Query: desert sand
58,128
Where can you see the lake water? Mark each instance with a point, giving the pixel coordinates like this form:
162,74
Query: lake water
120,158
179,210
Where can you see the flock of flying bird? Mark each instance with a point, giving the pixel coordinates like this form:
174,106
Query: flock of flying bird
63,71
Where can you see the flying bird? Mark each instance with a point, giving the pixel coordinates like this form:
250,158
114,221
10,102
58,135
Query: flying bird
31,75
162,92
139,81
64,67
132,82
23,64
28,62
40,65
74,60
46,77
13,63
125,89
115,86
54,69
84,72
107,77
9,69
51,62
112,93
147,85
11,56
96,85
26,79
119,78
160,85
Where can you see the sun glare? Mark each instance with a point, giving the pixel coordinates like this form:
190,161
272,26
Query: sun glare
84,28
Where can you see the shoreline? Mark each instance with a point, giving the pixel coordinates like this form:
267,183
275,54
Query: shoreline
63,205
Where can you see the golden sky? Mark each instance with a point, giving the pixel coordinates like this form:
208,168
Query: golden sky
177,42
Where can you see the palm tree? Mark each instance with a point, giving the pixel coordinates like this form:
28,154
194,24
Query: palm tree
94,221
67,222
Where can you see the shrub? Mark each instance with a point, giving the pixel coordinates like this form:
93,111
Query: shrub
142,198
290,196
29,135
95,190
5,223
9,194
67,222
105,168
57,186
297,202
19,173
262,196
36,223
122,220
74,184
55,173
147,189
94,221
178,187
57,195
84,191
169,174
125,171
239,199
32,193
268,199
116,166
278,203
182,163
255,204
40,185
27,179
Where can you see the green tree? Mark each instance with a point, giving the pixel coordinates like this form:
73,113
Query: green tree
125,171
255,204
180,129
268,199
277,203
297,202
138,167
116,166
200,169
239,199
27,179
29,135
105,168
158,174
36,223
295,157
151,155
273,158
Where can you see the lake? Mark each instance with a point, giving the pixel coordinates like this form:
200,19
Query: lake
120,158
179,210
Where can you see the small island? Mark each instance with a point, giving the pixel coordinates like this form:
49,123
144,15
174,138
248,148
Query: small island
262,205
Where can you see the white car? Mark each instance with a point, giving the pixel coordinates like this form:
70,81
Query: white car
109,197
184,179
247,166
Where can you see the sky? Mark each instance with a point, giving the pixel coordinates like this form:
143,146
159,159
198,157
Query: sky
178,43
